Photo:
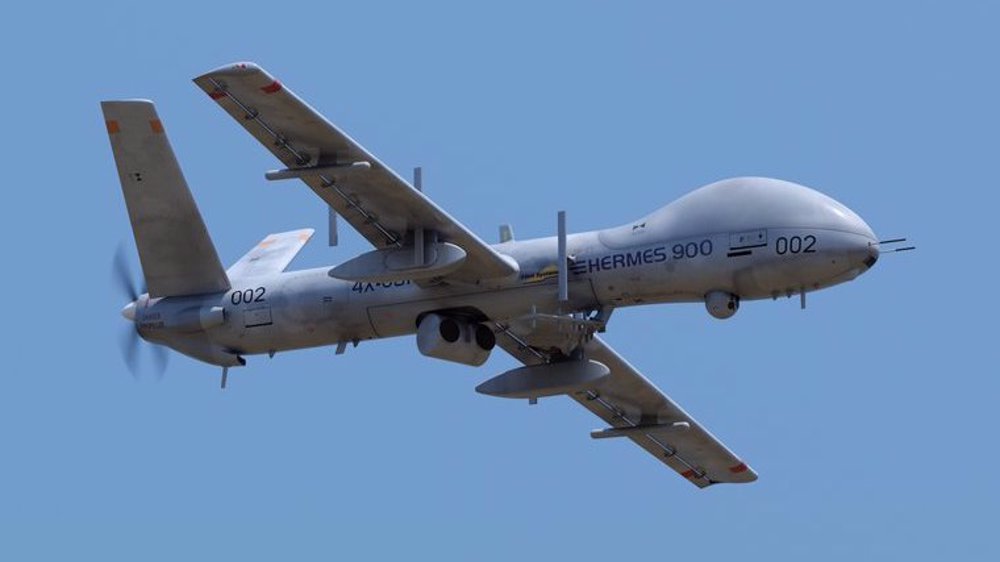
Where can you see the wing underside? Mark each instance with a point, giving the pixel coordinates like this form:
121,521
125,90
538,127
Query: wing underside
635,409
376,201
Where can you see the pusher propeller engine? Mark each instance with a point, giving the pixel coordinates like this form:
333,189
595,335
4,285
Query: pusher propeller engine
126,286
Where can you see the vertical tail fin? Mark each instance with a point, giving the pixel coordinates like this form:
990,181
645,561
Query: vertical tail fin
177,255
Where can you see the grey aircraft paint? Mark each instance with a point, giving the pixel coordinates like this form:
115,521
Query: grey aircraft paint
680,253
732,241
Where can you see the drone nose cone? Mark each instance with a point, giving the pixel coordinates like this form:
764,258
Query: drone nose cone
867,252
129,312
872,256
866,231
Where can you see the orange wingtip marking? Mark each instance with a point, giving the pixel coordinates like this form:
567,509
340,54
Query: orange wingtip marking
272,87
265,243
156,126
742,467
112,127
687,473
217,94
304,237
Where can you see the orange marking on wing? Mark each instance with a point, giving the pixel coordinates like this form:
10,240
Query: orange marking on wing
156,126
112,127
271,88
742,467
266,243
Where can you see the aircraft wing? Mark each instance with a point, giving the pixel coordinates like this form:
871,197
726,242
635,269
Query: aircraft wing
636,409
376,201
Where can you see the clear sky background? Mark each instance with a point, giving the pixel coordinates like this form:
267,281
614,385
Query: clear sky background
871,417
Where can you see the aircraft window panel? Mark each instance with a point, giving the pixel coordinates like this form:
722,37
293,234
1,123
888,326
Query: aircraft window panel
748,239
254,317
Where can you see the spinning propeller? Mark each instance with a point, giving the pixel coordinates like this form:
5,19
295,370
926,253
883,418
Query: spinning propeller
130,340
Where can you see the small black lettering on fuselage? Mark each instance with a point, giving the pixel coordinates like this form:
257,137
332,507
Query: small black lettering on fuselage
247,296
795,245
360,287
649,256
620,260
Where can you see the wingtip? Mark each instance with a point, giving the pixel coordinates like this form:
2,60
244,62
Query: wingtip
132,101
742,473
303,234
129,110
241,68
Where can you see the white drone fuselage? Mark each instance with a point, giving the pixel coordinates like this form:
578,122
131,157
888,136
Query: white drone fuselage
731,241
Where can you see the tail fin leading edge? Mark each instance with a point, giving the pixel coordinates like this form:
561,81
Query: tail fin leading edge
177,255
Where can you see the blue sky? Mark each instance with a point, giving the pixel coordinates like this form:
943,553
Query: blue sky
870,417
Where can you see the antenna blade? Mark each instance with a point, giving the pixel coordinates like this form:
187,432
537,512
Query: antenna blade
332,224
418,233
562,263
506,233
